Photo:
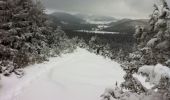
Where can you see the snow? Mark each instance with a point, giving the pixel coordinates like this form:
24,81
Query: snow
78,76
155,73
143,81
96,31
152,42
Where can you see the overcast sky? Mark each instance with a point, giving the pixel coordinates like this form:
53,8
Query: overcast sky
116,8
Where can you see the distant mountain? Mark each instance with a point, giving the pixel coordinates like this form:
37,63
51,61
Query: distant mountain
96,18
68,21
88,22
102,18
82,16
65,18
126,25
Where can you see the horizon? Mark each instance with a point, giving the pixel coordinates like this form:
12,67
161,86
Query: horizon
51,11
133,9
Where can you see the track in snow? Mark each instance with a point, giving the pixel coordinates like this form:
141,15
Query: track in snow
78,76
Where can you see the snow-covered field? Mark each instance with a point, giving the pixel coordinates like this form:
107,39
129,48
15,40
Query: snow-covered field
77,76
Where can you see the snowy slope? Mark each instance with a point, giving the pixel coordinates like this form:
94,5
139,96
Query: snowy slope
77,76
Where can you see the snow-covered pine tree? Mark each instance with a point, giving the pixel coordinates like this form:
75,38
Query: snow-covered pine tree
151,60
159,42
59,42
25,36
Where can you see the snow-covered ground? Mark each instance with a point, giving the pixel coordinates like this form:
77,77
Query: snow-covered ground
77,76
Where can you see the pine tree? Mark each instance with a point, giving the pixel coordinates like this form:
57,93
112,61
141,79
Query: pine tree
25,36
153,48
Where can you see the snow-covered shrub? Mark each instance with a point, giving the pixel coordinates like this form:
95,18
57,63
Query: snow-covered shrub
100,47
155,73
151,61
26,36
7,67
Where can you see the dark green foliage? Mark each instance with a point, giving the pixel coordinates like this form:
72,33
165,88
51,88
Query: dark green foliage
25,35
119,45
22,31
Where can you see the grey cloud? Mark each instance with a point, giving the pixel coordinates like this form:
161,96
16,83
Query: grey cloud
118,8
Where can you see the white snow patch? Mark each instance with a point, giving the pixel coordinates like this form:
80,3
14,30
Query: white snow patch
77,76
12,86
155,72
143,81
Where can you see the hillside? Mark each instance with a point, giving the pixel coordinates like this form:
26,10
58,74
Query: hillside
62,17
102,18
126,25
87,22
96,19
69,21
